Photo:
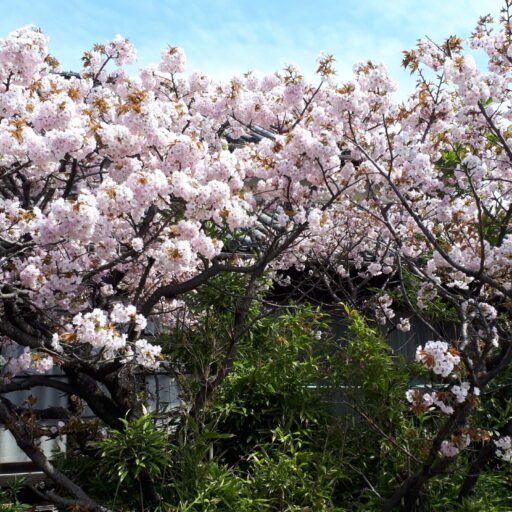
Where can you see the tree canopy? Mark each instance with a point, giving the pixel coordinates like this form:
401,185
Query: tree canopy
123,196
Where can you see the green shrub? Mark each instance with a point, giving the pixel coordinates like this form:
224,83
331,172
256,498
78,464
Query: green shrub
139,450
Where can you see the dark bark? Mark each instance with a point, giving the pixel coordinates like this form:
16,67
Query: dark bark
33,381
173,290
12,332
149,492
485,455
71,180
408,493
101,405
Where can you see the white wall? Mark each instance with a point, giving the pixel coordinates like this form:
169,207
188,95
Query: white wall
163,393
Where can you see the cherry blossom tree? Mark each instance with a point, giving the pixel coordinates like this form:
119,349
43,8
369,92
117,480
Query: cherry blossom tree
433,219
122,194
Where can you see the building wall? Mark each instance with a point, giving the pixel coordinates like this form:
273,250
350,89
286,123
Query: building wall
163,395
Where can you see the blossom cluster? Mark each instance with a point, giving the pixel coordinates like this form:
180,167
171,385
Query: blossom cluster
504,448
438,356
26,361
452,448
442,399
104,333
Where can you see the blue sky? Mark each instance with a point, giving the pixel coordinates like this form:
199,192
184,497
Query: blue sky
224,38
